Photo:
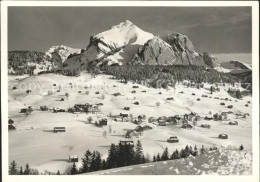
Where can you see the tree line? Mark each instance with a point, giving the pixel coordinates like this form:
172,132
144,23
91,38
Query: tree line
151,74
118,156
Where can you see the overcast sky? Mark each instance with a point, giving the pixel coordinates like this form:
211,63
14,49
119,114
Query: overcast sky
211,29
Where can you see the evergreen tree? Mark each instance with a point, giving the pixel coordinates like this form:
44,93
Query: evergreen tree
93,164
58,173
195,151
129,155
187,150
202,150
138,153
21,171
86,160
175,154
13,168
165,155
112,157
238,94
154,158
183,154
241,147
104,164
27,169
98,162
158,158
73,170
144,160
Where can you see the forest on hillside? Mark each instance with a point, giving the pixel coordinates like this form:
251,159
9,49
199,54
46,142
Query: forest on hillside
168,75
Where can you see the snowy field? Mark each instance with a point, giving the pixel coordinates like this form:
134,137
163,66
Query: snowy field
34,142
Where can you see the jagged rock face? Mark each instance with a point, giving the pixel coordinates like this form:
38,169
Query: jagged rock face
115,45
210,60
154,52
174,48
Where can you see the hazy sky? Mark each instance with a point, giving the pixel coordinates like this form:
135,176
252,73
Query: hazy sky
211,29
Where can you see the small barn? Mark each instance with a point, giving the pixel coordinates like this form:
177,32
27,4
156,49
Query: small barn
186,126
59,129
74,158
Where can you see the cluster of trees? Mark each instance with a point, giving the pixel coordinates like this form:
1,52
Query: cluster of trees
183,153
118,156
165,75
26,171
18,61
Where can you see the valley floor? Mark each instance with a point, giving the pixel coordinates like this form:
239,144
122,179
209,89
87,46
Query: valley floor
35,143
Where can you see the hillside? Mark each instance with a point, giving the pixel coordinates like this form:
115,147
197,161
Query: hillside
220,162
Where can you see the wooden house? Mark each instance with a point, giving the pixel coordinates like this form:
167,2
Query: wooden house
59,129
74,158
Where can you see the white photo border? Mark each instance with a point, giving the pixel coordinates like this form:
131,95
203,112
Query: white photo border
112,178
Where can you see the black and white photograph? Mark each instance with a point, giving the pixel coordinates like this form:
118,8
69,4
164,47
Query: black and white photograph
130,89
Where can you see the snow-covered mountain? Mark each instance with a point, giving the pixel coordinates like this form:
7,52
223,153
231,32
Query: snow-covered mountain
116,45
236,66
61,52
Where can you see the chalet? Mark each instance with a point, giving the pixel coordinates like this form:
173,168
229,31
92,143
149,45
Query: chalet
223,136
160,93
56,110
136,103
222,103
44,108
152,119
14,88
116,94
230,106
193,94
73,158
58,90
135,86
130,134
126,119
142,116
123,115
94,109
173,120
131,143
96,92
133,91
54,84
24,110
162,123
139,129
198,99
62,99
170,98
100,104
59,129
127,108
186,126
233,123
144,91
205,126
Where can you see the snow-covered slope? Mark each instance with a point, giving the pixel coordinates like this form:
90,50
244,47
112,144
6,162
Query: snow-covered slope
61,52
117,44
219,162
